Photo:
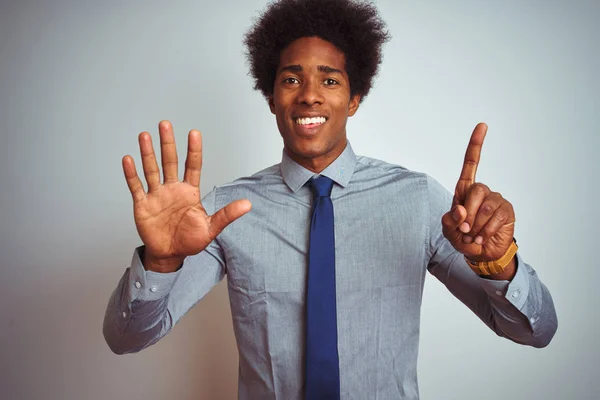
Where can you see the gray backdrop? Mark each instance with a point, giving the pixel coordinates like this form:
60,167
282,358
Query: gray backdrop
80,79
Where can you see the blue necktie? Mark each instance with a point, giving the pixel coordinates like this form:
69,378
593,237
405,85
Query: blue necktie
322,365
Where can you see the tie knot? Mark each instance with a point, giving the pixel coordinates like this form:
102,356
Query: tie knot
321,186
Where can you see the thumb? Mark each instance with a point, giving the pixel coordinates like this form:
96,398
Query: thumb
226,215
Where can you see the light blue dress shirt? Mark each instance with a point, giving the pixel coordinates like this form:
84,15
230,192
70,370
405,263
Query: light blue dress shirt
388,233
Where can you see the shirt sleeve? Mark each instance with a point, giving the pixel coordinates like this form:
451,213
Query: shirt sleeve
145,305
521,310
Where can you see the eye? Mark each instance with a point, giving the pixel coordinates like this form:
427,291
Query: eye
330,81
290,80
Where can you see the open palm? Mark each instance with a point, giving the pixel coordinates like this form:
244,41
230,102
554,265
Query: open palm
169,217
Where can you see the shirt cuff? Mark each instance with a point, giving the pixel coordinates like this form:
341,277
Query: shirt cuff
514,291
148,285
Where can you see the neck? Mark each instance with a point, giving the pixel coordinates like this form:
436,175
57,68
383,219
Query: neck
315,164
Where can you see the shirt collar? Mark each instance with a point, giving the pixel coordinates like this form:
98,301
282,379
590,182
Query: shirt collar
340,170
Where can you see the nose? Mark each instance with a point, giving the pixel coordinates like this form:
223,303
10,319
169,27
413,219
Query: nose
310,93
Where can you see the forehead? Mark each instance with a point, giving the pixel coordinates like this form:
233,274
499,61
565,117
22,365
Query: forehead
311,52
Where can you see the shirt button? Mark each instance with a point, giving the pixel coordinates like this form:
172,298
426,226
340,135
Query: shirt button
124,314
499,293
532,320
516,293
153,289
138,285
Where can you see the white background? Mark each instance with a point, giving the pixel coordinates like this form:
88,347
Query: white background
80,79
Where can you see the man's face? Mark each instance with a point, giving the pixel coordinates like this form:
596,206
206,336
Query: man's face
311,102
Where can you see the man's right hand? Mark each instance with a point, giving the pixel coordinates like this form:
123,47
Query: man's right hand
170,218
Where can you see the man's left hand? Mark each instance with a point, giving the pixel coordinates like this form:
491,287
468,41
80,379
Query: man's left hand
481,223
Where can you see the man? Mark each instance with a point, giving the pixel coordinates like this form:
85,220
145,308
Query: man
327,256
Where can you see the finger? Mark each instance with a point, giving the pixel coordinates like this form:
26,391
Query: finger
487,209
151,171
475,198
193,162
168,152
471,162
451,221
503,217
226,215
133,181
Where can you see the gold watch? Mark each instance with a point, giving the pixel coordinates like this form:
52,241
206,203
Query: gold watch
496,266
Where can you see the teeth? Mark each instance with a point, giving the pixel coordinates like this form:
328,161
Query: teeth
308,121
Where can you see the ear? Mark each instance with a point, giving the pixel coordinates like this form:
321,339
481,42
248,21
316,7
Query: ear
271,102
354,103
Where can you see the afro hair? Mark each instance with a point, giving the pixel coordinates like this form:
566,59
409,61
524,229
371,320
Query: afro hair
354,27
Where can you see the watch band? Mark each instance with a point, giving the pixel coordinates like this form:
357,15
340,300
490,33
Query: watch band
496,266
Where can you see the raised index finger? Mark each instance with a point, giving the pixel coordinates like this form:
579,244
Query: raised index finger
193,162
469,169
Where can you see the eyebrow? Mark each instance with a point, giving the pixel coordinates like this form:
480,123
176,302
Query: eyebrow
321,68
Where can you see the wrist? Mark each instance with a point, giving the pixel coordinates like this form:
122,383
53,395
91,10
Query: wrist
503,268
161,265
507,274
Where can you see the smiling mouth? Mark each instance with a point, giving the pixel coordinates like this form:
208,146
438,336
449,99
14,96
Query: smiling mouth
310,122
